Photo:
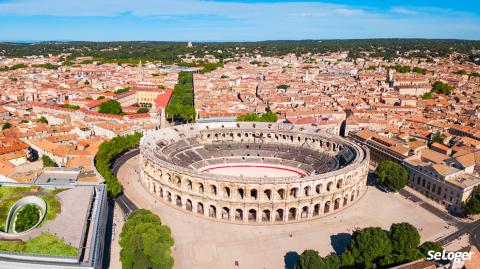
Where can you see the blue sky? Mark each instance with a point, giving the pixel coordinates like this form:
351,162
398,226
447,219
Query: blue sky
236,20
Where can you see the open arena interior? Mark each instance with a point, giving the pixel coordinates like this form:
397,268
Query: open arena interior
258,193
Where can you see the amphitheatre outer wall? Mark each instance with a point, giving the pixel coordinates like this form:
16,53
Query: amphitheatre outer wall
251,200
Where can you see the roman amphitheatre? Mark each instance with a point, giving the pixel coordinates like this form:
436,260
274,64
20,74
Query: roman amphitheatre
253,173
223,208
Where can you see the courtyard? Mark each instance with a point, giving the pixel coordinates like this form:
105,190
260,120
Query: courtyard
205,243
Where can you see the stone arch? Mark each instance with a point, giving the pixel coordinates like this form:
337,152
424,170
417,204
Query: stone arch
188,205
294,192
169,196
329,186
200,209
304,213
254,194
326,208
316,210
213,189
178,181
318,188
239,214
178,200
292,213
241,193
212,211
252,215
268,194
340,183
265,215
189,184
225,213
279,215
200,188
306,191
226,191
352,196
345,200
281,193
336,205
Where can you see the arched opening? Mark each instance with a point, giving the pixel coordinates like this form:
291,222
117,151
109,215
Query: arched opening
212,211
318,188
169,196
254,194
178,182
316,210
268,194
160,191
178,200
337,204
281,194
239,215
188,205
304,212
326,209
241,193
200,209
225,213
306,191
189,184
279,215
352,196
266,215
292,213
213,189
345,200
339,183
252,215
329,186
294,192
200,188
226,191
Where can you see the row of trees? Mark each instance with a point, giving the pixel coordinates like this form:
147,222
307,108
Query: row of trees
373,247
472,204
69,106
107,152
180,106
145,242
265,117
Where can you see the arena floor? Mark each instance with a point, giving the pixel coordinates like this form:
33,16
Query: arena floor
252,170
202,243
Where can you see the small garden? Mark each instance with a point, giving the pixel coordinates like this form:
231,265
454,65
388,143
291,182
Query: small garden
46,244
26,217
10,195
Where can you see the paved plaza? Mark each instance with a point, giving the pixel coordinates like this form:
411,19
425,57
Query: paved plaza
204,243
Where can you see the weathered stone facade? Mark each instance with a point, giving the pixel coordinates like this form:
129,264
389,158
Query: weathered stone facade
253,200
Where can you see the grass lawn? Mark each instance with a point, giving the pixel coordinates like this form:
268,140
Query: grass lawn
46,243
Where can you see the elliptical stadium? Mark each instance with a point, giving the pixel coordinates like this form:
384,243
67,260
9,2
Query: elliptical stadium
253,173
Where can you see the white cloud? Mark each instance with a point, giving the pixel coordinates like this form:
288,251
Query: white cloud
403,10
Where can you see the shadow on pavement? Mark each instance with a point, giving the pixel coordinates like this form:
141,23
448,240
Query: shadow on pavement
340,242
291,259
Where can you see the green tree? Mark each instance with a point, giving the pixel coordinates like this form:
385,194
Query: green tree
86,82
427,95
369,244
438,138
145,242
142,110
126,89
461,72
282,86
42,119
442,88
48,162
429,245
266,117
100,97
405,238
6,126
110,107
472,204
392,175
107,151
26,218
70,106
310,259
